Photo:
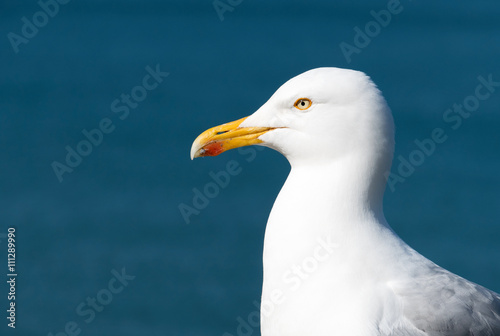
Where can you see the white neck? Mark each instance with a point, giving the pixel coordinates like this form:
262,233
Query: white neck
339,205
330,197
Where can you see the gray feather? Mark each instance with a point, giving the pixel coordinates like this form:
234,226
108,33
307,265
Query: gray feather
440,303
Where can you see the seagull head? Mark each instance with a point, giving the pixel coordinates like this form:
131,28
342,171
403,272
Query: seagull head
322,115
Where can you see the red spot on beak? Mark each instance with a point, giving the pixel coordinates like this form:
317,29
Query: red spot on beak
213,149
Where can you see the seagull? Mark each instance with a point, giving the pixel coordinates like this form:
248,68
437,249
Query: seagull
332,264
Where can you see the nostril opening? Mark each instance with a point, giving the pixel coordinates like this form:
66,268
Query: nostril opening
222,132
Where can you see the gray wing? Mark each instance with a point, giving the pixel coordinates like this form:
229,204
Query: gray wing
441,303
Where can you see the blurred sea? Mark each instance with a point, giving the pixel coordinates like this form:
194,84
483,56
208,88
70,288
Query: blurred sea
119,208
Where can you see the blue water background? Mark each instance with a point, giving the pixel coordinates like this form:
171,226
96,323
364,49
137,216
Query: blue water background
120,207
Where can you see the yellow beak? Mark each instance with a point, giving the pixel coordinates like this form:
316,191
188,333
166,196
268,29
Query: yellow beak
221,138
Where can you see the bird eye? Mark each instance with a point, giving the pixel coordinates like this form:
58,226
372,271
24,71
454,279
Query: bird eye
303,103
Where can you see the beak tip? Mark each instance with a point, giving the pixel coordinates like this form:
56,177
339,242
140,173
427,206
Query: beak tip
195,148
193,154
